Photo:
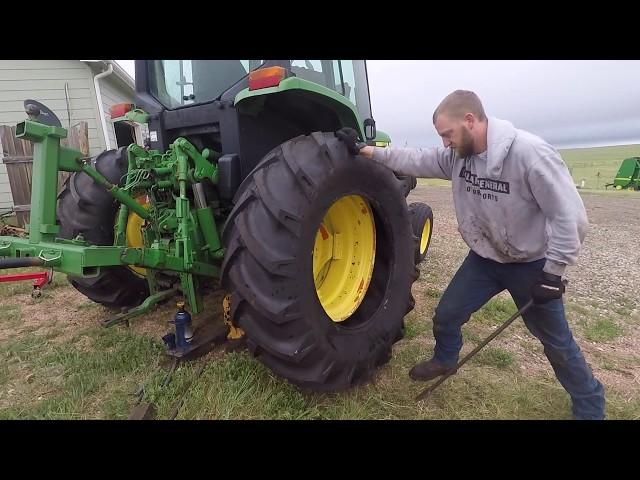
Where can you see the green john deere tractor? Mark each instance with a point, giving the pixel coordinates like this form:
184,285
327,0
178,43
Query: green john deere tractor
243,186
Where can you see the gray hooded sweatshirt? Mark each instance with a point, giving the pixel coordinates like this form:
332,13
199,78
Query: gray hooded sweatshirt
516,202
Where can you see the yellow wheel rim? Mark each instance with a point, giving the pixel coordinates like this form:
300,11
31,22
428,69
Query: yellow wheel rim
134,233
343,256
426,233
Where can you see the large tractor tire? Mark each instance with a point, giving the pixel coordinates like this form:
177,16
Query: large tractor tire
87,208
319,263
422,226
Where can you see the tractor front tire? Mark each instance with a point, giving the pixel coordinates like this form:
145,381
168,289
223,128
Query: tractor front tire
272,238
407,183
422,226
86,208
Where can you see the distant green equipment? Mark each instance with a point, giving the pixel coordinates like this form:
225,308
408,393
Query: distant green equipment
628,175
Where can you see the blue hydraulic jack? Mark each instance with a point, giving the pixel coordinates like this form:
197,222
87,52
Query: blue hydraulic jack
187,342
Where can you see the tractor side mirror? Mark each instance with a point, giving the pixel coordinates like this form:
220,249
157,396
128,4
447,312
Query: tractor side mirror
369,129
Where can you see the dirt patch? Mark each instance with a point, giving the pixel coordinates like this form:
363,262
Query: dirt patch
63,309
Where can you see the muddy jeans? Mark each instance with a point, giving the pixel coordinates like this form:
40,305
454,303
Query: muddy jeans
475,283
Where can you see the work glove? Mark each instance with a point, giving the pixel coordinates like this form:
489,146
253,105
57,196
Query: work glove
547,287
349,137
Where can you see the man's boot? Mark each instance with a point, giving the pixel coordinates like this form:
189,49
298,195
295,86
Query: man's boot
429,370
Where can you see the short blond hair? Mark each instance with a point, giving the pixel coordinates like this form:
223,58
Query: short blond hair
458,104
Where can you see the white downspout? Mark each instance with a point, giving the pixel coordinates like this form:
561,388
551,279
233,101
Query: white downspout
103,120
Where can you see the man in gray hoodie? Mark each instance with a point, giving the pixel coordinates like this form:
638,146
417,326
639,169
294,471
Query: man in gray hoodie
520,214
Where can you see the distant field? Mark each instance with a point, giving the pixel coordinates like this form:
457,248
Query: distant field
584,164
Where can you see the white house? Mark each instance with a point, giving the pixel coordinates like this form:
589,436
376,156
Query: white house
75,90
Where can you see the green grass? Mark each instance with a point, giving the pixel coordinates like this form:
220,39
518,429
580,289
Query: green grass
470,335
621,408
585,163
577,308
495,312
432,292
495,357
611,193
602,330
4,373
10,316
98,379
238,387
415,324
89,306
624,307
23,348
78,377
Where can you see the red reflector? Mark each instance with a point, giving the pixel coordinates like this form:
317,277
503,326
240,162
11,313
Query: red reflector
266,77
120,109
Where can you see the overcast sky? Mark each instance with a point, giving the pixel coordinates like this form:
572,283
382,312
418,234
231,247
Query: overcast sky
570,103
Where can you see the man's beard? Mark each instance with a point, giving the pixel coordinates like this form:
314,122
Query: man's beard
466,147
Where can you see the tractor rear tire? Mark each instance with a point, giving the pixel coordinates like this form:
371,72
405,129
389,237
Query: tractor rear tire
87,208
268,267
422,226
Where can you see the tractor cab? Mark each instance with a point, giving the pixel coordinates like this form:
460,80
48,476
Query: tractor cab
248,107
178,83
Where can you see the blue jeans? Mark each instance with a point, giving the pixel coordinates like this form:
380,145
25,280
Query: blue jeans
475,283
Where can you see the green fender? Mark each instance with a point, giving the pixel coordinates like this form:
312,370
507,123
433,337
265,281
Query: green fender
248,101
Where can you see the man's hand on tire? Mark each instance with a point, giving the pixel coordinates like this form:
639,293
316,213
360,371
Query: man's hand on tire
349,137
